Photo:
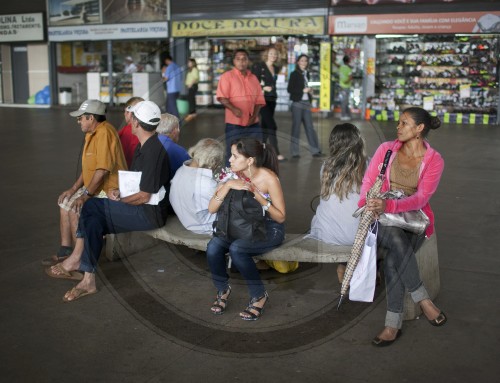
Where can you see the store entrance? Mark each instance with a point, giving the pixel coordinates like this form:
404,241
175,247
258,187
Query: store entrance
20,74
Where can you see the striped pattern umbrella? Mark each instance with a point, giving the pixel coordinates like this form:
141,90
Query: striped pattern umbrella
364,225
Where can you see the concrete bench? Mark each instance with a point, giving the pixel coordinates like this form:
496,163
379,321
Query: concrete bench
295,248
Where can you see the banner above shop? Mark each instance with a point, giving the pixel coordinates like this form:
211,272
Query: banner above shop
410,23
305,25
21,27
110,32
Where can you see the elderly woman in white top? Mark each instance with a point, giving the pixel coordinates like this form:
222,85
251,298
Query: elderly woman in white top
193,186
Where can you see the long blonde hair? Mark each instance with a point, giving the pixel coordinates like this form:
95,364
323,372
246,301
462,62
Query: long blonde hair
344,168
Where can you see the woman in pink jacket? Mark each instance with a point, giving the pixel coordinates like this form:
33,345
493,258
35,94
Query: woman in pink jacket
415,168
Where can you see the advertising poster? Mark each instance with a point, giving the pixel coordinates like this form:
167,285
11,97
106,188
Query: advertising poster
74,12
130,11
405,23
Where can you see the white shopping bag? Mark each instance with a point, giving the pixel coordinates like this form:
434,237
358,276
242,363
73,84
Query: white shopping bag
362,287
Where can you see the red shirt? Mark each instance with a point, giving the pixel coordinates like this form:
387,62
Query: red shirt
244,92
129,142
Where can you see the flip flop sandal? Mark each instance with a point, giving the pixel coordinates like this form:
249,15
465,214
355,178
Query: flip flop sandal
53,260
63,273
77,294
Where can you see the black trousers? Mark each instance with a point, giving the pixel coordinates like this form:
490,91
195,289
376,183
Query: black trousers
268,124
192,98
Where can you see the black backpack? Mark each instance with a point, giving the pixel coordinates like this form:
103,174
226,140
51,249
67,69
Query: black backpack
240,216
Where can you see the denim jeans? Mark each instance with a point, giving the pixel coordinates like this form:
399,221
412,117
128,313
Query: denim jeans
100,216
235,132
400,270
301,113
241,252
344,102
172,103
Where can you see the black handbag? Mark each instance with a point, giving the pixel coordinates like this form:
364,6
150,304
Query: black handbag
240,216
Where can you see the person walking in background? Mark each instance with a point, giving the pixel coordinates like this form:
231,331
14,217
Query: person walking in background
301,96
240,93
192,79
341,177
172,76
129,141
415,168
345,83
267,72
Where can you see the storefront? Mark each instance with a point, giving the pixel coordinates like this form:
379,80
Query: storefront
24,65
212,42
90,39
447,63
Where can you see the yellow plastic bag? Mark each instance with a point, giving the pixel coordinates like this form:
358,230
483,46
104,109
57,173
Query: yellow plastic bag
284,266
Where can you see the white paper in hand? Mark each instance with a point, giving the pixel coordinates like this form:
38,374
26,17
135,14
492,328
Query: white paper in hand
129,182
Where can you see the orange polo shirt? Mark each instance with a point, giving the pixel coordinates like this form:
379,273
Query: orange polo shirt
244,92
103,150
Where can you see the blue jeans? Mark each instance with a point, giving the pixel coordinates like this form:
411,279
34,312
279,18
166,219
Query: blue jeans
100,216
172,103
235,132
241,252
301,113
344,102
400,270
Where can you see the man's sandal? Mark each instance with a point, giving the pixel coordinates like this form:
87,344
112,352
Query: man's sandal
253,312
220,303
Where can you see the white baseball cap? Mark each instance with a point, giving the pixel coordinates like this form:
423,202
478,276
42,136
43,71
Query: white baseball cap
147,112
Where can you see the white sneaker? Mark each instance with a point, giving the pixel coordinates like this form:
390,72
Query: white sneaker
345,118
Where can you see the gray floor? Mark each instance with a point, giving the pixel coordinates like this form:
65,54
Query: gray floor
150,321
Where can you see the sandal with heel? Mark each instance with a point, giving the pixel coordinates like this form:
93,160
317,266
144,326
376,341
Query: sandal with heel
249,314
220,303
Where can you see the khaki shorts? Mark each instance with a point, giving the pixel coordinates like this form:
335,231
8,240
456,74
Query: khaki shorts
67,203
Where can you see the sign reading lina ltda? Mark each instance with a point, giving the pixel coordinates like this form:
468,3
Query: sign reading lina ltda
309,25
21,27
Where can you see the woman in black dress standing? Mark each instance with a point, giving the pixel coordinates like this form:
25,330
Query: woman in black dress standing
267,72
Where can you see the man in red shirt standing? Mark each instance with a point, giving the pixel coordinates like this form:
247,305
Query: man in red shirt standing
241,94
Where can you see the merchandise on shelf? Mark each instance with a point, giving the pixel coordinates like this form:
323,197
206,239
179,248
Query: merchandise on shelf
447,74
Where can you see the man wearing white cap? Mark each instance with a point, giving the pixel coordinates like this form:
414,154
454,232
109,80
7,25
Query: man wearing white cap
102,157
130,67
144,210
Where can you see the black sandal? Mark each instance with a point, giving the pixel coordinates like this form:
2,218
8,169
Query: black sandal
220,303
259,310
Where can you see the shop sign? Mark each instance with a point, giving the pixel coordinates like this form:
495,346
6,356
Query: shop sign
21,27
308,25
110,32
325,76
406,23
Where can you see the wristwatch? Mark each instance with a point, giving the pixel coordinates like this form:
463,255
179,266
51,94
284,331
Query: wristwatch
266,207
86,192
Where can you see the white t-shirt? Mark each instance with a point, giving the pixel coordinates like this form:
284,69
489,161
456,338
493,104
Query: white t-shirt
333,222
190,192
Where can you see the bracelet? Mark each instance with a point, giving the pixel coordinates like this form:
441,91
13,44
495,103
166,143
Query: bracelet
267,206
217,198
